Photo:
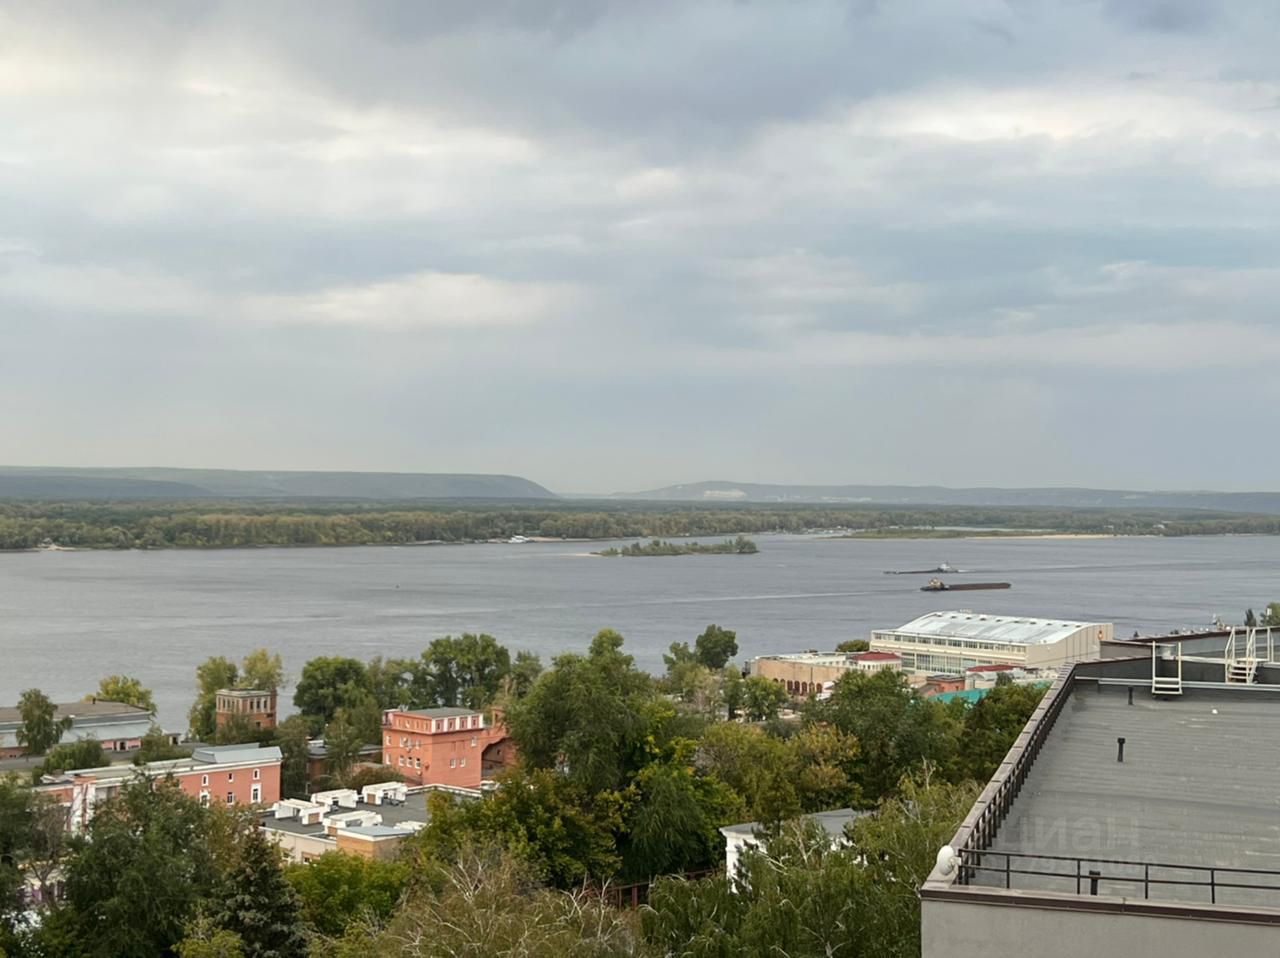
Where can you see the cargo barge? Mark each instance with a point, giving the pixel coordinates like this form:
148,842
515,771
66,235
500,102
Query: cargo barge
937,585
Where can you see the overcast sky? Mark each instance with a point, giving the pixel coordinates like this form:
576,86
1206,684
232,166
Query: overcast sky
614,246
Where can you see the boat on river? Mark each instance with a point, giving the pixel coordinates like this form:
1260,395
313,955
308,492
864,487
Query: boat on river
939,568
937,585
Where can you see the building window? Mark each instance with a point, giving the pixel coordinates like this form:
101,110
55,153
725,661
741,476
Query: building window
473,741
388,739
231,798
204,779
462,763
257,773
417,763
231,776
204,799
401,761
453,763
255,793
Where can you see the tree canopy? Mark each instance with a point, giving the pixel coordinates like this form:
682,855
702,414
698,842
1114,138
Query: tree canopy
40,729
123,688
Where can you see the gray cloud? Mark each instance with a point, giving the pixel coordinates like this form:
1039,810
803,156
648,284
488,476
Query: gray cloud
615,245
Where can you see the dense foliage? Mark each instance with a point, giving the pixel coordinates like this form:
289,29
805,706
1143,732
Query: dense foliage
166,525
741,546
625,778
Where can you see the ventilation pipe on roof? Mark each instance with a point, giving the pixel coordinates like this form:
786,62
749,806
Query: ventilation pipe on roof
1120,749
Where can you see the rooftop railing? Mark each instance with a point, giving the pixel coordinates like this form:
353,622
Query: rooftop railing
1086,875
979,828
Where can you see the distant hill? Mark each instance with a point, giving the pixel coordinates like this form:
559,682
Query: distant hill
1251,502
36,482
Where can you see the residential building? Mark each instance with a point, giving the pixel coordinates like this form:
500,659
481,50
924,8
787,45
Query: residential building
806,673
951,642
1135,814
117,726
444,746
256,706
226,774
747,835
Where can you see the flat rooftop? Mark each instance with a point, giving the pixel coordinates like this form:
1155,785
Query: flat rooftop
413,810
1011,629
1199,786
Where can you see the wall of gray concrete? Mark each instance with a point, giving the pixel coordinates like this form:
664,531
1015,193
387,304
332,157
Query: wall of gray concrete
965,930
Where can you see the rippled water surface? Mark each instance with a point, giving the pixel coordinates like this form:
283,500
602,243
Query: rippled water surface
68,618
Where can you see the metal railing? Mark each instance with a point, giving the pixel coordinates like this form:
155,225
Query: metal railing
979,828
1081,872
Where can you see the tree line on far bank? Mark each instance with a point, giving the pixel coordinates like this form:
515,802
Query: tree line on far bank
188,525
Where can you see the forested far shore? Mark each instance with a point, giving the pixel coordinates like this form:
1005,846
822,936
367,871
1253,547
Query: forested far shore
187,525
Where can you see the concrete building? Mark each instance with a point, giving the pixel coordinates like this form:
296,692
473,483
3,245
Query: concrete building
256,706
805,673
227,774
444,746
1135,814
117,726
952,642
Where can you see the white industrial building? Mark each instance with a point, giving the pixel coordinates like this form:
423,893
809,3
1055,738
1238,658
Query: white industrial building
951,642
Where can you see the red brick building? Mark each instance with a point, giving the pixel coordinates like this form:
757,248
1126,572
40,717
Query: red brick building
257,706
445,746
226,775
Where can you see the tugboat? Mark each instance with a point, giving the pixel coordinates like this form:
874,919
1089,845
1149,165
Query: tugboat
940,568
937,585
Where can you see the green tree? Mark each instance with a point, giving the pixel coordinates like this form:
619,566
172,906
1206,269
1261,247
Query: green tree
156,747
895,727
212,674
257,902
206,940
762,698
1250,620
293,736
825,763
146,866
328,684
237,728
342,742
756,766
587,714
716,646
990,726
854,645
802,897
732,692
488,902
672,818
41,728
338,889
390,681
85,753
123,688
565,834
464,671
261,670
524,672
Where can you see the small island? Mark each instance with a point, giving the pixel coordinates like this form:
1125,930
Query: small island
741,546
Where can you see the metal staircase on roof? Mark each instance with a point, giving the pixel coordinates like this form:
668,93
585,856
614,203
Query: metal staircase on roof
1241,659
1166,684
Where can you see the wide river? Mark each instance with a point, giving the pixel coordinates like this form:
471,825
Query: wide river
68,618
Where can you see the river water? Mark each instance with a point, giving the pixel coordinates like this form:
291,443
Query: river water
68,618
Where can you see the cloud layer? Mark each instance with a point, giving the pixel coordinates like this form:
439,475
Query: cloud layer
615,245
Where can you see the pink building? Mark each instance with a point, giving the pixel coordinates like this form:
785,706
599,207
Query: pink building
226,774
445,746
